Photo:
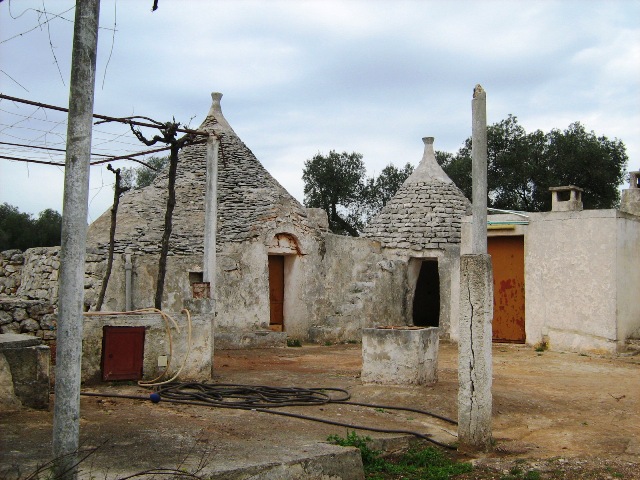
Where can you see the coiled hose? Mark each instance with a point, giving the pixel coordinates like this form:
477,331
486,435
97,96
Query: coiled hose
267,399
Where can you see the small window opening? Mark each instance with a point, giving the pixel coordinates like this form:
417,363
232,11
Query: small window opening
196,277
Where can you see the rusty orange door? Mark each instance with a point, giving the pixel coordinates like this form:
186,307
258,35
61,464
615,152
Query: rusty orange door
507,256
276,292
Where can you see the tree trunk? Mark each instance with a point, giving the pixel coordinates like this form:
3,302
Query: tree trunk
168,218
118,190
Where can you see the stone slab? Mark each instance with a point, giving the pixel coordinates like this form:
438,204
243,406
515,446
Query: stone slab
17,340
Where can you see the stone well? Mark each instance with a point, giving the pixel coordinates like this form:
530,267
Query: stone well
400,355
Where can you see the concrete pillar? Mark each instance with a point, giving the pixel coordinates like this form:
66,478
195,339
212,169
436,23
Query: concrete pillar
474,353
476,302
66,415
207,306
211,214
479,171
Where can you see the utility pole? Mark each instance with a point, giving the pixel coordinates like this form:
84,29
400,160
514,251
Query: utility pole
66,414
476,302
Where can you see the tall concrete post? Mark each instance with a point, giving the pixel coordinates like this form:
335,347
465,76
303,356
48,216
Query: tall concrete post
210,230
66,415
476,304
211,213
479,170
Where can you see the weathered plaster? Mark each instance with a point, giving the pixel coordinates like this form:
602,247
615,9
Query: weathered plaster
197,366
582,274
400,356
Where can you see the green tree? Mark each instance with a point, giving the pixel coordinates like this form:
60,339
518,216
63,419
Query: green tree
143,176
48,228
15,228
522,166
19,230
335,183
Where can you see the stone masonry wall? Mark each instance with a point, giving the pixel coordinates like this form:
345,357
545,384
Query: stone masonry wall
35,317
425,216
29,289
11,262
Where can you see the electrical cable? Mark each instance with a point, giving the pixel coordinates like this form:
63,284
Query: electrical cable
167,319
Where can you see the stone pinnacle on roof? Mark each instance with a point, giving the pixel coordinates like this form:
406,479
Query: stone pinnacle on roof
216,112
428,168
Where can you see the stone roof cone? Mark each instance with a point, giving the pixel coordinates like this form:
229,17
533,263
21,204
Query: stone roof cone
250,200
425,213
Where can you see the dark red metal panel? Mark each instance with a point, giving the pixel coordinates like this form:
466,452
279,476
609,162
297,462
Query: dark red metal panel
507,257
122,353
276,291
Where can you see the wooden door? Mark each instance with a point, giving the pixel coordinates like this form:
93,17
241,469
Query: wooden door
122,353
507,256
276,292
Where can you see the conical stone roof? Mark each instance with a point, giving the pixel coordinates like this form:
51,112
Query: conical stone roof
425,213
250,200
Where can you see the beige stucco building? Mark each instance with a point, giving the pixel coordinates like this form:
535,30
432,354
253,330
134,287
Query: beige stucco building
580,275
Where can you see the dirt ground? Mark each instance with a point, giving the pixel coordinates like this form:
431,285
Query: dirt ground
564,415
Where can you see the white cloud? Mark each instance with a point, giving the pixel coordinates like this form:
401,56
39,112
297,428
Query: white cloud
369,76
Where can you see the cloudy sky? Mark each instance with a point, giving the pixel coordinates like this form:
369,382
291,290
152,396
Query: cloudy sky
301,77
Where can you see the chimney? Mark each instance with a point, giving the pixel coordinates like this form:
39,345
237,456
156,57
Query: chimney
566,199
630,200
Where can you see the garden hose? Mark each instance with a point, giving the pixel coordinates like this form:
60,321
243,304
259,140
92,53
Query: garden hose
267,399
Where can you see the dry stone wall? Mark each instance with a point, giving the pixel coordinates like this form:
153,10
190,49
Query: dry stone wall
11,262
35,317
428,215
29,298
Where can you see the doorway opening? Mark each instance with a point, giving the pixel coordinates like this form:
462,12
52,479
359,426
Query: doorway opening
276,292
426,300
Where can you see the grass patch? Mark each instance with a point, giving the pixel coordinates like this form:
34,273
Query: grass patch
293,342
541,346
423,463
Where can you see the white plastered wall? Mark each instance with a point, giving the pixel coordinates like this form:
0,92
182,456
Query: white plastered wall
628,277
582,275
570,280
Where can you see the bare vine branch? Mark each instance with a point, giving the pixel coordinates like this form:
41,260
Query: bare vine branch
118,190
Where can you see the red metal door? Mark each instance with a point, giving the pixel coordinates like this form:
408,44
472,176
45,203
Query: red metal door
276,292
507,257
122,353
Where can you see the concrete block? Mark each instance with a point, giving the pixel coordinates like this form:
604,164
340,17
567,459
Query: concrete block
400,355
29,364
474,353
